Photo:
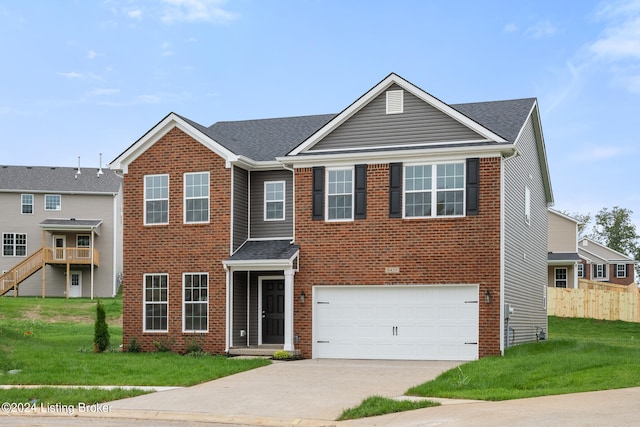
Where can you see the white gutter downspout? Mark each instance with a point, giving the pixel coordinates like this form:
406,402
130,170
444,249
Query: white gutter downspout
114,272
227,337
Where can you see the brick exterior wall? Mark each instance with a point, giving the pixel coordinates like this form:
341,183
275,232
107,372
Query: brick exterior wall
588,270
463,250
175,248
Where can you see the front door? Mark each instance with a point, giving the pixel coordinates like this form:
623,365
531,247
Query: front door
75,287
59,243
273,311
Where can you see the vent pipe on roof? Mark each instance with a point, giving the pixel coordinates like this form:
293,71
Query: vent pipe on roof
100,170
78,172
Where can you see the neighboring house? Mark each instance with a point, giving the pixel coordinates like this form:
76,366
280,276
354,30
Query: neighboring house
65,226
400,228
603,264
564,261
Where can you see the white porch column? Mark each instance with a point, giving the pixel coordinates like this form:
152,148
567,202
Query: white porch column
288,310
228,311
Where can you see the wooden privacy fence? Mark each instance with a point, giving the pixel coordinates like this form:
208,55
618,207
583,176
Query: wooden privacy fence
595,301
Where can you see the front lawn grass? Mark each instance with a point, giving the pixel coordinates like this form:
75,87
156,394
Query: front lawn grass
50,342
581,355
378,405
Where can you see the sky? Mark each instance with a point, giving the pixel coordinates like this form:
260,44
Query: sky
80,78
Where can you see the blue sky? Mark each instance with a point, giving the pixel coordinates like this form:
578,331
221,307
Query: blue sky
81,78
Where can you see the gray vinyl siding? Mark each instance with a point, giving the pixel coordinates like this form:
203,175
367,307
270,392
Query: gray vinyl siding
80,206
261,229
239,308
419,123
240,206
525,251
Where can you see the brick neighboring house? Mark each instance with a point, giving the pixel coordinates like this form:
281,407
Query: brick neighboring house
400,228
602,264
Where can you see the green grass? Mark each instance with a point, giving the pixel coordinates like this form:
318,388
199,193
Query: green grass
50,342
378,405
581,355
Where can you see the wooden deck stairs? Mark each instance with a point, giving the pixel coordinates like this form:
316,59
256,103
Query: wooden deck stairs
22,271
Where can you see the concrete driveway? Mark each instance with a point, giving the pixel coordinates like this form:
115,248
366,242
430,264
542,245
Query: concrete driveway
286,392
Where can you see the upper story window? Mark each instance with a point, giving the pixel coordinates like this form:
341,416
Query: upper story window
196,197
434,190
274,200
621,270
26,202
52,202
156,302
156,199
339,194
14,244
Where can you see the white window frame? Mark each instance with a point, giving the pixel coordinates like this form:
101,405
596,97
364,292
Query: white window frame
58,206
597,274
328,193
580,270
205,302
164,302
281,201
155,199
14,244
623,274
87,253
434,190
565,280
206,197
23,204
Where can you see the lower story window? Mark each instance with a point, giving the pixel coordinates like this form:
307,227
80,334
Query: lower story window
621,270
196,302
14,244
561,277
598,271
155,302
580,270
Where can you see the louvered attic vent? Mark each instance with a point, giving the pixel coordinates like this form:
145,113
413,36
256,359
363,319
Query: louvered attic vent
395,101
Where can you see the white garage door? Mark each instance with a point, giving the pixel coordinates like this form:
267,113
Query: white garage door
396,322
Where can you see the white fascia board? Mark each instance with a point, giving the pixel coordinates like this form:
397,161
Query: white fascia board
377,157
376,91
563,215
534,113
249,164
161,129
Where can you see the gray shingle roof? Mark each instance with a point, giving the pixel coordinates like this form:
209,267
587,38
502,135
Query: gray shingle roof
265,250
57,179
563,256
266,139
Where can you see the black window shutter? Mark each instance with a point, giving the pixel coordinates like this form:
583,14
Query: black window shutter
318,193
361,192
628,270
615,270
395,190
473,186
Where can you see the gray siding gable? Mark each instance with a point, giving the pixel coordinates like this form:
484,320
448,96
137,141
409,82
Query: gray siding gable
420,123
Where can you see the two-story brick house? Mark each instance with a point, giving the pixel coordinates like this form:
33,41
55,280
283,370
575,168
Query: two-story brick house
399,228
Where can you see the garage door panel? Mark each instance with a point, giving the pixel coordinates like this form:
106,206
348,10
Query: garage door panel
396,322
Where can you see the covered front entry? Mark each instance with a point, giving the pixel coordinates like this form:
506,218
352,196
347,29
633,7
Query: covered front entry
411,322
260,297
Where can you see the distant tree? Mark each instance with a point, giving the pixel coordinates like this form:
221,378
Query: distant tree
614,229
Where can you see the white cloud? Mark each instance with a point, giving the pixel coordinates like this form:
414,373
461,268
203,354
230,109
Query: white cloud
92,54
102,91
590,153
541,29
166,49
147,99
619,42
196,11
134,14
511,27
71,75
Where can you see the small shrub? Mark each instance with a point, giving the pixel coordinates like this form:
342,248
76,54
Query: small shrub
163,346
134,346
282,355
194,346
101,336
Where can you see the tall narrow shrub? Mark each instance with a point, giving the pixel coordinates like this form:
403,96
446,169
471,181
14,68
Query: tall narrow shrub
101,335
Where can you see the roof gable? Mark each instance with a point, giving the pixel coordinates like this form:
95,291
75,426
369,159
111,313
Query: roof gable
375,96
590,248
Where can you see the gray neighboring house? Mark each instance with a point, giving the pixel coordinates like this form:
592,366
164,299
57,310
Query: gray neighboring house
61,231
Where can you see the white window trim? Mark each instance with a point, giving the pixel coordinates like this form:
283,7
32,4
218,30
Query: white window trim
624,271
284,198
434,190
22,204
59,208
555,276
184,304
326,195
26,244
144,304
145,200
580,270
184,187
595,272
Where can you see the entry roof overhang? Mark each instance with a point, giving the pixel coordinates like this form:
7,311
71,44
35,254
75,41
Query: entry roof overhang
264,254
71,224
563,258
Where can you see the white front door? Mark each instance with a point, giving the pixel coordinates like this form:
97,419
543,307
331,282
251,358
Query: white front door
412,322
75,285
59,244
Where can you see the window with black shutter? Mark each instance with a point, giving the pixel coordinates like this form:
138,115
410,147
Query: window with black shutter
361,192
395,190
318,193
